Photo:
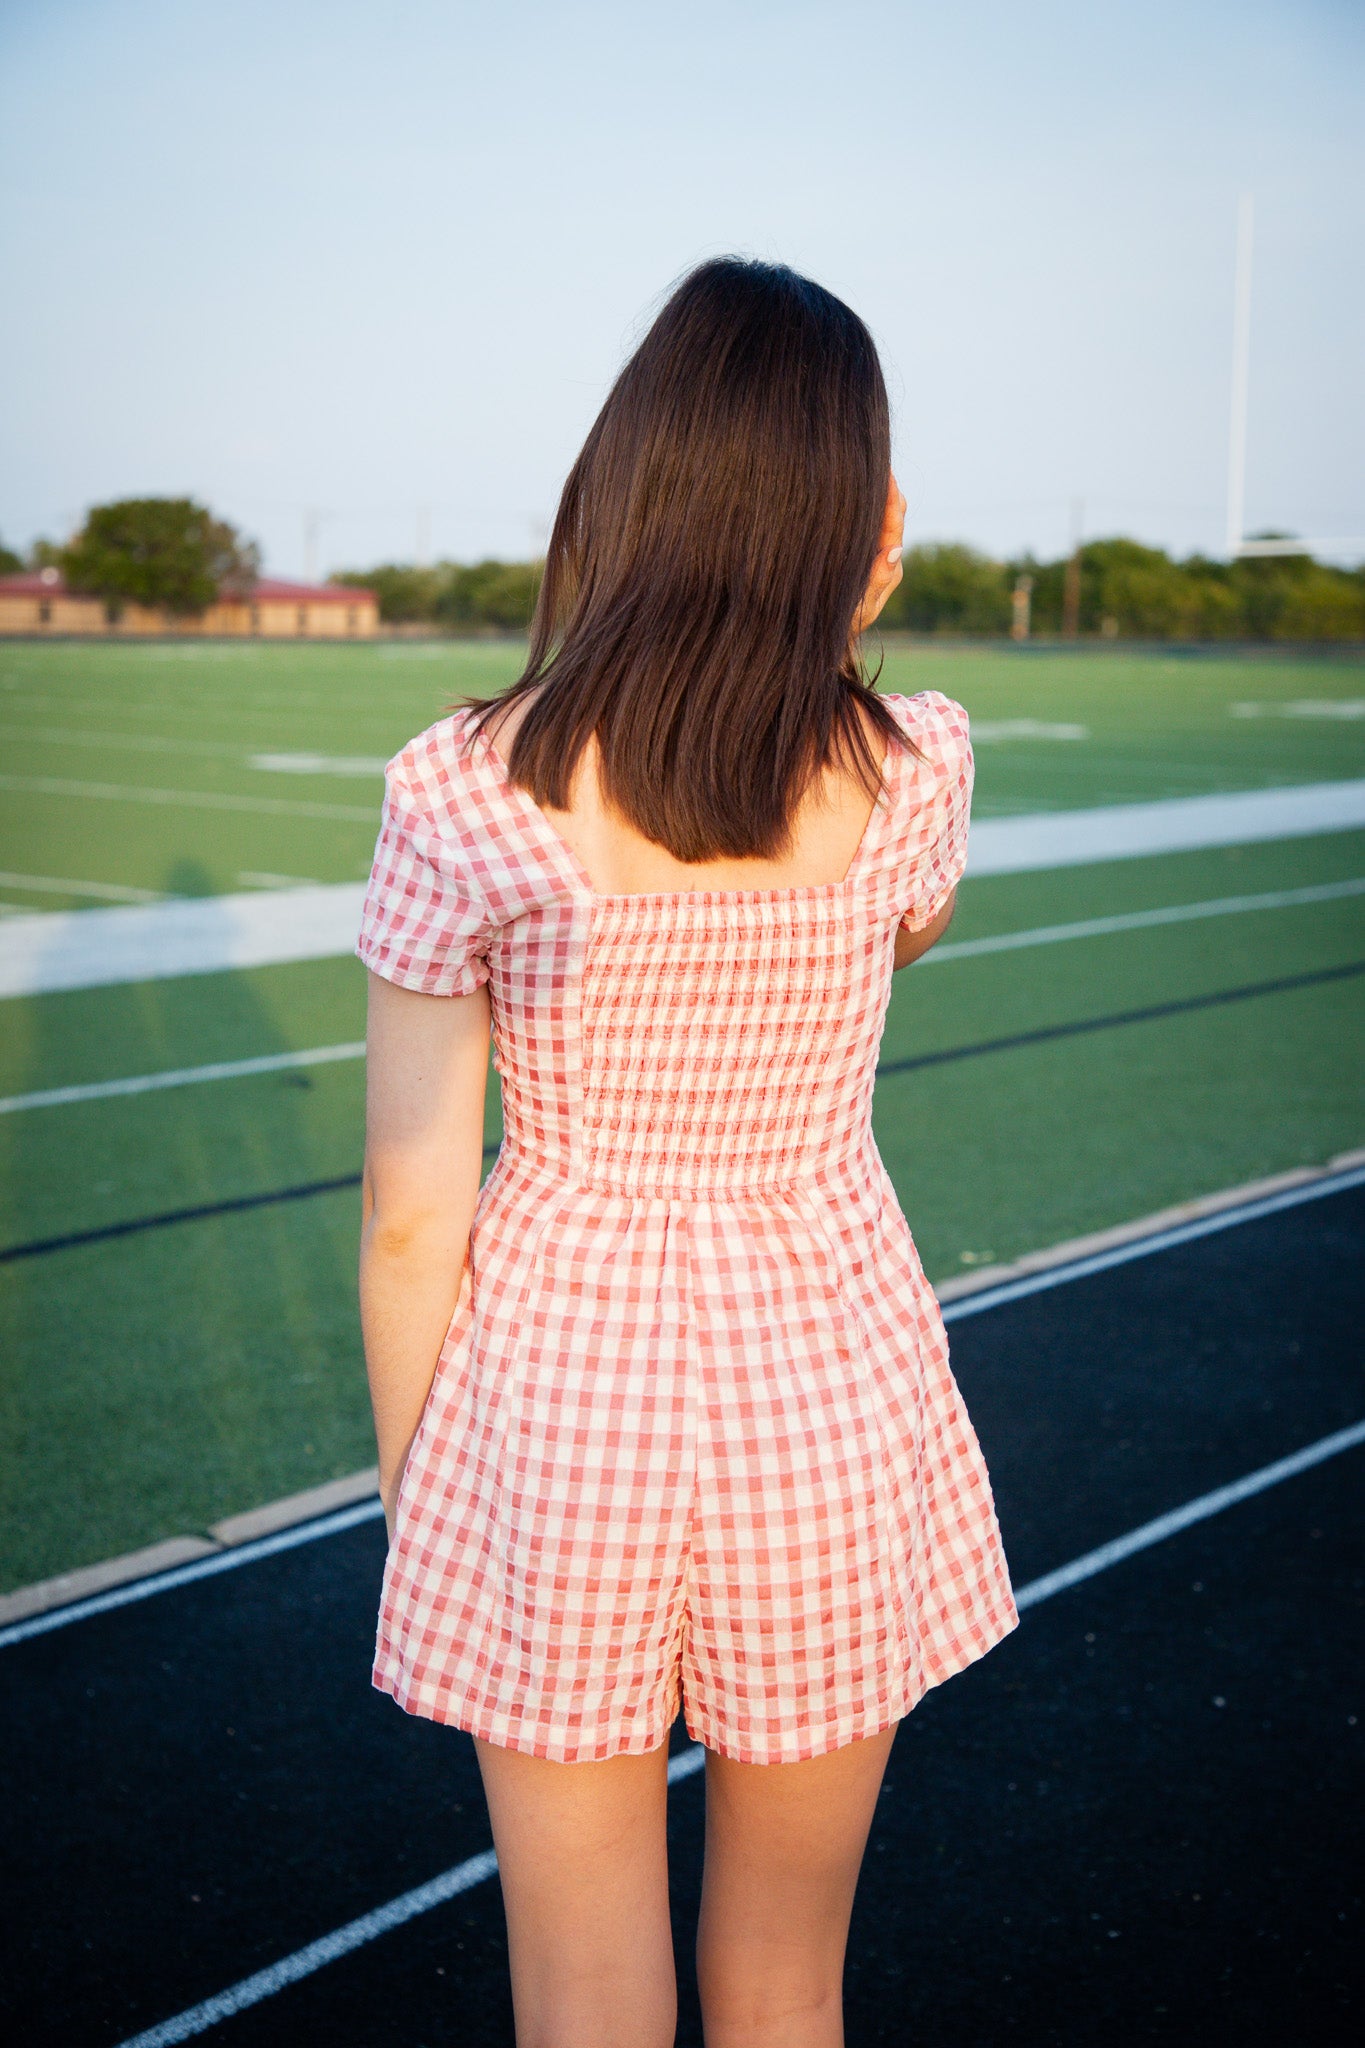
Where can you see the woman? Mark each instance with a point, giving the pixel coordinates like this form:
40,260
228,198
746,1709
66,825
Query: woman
664,1411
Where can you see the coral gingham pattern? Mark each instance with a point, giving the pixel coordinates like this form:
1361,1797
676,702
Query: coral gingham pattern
693,1438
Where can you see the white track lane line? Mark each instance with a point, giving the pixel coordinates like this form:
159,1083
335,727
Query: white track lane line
180,1077
966,949
197,2019
1208,1504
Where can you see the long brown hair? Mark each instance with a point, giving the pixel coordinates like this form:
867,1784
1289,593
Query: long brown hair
712,544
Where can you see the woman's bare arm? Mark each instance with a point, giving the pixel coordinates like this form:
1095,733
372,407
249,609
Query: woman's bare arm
427,1059
913,945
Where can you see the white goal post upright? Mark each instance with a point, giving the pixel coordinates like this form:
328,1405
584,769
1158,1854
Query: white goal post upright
1237,543
1241,376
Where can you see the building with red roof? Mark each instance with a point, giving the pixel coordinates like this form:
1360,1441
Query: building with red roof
38,602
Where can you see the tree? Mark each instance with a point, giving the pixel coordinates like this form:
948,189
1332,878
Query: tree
406,596
950,588
166,552
498,594
10,563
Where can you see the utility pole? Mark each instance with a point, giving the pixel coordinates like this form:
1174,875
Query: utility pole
1021,606
1241,379
312,520
1071,579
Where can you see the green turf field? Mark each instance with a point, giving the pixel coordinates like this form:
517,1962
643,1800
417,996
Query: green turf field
155,1383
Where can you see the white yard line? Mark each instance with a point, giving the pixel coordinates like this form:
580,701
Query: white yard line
1141,920
475,1870
125,742
58,885
189,799
180,1077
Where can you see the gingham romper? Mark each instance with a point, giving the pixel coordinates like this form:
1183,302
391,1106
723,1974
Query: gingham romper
693,1434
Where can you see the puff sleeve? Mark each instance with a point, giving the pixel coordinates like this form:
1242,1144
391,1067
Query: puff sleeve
425,924
936,846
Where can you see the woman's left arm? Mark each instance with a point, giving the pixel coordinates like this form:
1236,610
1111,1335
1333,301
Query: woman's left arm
913,945
427,1070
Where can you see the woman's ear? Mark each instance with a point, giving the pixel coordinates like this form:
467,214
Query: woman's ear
886,569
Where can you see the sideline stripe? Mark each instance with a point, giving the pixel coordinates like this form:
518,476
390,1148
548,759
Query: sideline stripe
1001,942
193,799
203,938
1151,1011
38,1247
995,1297
1059,839
1142,920
44,952
477,1869
179,1077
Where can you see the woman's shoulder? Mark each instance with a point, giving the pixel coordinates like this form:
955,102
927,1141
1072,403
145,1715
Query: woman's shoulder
437,763
940,755
938,725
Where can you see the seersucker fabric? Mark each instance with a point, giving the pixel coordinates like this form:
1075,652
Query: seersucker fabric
693,1440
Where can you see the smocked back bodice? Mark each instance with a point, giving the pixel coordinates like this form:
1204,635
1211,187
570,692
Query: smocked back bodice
697,1044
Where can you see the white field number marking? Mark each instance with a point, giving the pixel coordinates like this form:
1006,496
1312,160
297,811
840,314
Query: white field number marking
317,764
1025,729
1303,707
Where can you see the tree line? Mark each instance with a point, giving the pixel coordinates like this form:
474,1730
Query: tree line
1119,589
174,553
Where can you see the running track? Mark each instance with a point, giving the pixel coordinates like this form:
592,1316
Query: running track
1135,1821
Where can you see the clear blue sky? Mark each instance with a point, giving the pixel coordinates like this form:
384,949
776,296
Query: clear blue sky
368,258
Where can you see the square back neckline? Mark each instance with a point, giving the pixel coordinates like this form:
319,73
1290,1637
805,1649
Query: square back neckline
582,880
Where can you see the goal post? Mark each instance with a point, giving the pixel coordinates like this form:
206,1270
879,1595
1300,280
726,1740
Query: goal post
1238,546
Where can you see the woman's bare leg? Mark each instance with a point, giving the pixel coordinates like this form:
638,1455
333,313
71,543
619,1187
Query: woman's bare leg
784,1844
583,1860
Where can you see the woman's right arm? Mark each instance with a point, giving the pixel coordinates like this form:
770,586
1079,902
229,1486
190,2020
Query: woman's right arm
427,1070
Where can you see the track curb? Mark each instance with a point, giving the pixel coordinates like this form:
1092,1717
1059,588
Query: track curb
68,1587
963,1284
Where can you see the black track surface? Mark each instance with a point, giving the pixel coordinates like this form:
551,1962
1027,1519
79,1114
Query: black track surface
1135,1821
